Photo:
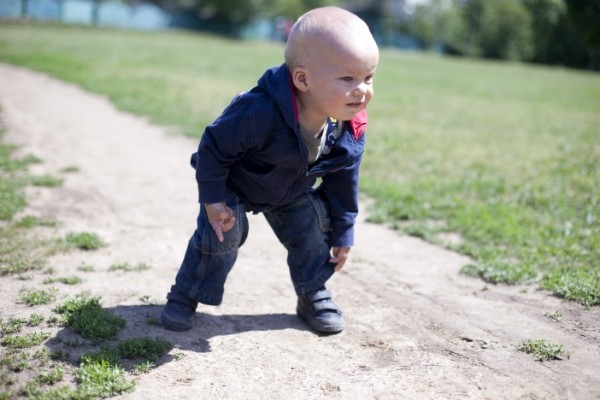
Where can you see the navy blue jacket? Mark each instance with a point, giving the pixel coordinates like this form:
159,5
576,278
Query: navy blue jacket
255,149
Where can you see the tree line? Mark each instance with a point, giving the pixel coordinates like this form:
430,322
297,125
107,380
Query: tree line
556,32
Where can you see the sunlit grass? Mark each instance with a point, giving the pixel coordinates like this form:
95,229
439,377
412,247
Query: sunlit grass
543,349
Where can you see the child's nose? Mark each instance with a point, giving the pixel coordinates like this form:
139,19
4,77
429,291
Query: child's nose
361,89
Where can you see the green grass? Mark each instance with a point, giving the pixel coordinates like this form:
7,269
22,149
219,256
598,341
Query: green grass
505,155
24,341
543,349
126,267
34,374
86,268
67,280
46,180
102,373
135,348
20,252
178,66
98,379
18,255
15,362
40,374
38,297
12,198
30,221
84,240
11,326
35,319
86,317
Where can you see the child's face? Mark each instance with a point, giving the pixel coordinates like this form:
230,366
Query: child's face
341,82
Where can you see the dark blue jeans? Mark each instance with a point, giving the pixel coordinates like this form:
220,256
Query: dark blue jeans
302,227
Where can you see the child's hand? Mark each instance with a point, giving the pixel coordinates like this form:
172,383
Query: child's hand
340,255
220,217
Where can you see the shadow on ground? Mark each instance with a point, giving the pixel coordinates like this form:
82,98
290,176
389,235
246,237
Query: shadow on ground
144,321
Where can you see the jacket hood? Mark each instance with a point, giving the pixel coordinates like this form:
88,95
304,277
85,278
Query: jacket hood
277,82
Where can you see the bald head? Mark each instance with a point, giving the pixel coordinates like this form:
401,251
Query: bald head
326,29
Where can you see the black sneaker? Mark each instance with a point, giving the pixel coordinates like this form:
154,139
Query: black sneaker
321,313
177,316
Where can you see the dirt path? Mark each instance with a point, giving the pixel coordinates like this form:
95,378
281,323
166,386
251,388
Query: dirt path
416,329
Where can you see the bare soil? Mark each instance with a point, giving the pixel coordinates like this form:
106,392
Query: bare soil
416,328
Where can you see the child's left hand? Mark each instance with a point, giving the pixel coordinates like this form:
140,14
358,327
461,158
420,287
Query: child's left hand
340,255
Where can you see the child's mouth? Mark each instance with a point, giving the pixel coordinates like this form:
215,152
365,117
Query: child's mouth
355,105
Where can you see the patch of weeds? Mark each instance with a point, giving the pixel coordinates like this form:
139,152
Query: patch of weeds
12,326
35,319
86,317
59,393
43,355
426,230
9,163
129,268
50,377
70,280
141,347
60,355
179,355
142,368
543,349
74,304
99,378
46,181
38,297
582,284
31,390
15,362
67,280
556,316
70,169
84,240
144,347
29,221
53,320
107,354
12,198
86,268
24,341
501,272
145,299
14,260
21,251
6,379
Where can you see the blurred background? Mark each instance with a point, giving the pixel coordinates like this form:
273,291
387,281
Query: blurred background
556,32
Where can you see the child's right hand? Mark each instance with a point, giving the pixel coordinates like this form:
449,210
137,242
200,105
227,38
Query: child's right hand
220,217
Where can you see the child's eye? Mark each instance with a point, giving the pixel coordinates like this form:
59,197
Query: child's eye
347,79
369,79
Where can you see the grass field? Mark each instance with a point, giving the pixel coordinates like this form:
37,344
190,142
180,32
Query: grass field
507,156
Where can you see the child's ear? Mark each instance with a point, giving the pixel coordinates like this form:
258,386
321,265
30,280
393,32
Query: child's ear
299,77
